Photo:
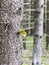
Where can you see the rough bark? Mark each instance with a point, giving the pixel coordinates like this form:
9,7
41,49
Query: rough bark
38,15
10,42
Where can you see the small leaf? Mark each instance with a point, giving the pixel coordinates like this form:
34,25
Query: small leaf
23,32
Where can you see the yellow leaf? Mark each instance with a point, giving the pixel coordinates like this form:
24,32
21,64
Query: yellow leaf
22,32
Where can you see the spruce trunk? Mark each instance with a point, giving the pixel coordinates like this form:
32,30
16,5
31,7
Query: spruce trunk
10,24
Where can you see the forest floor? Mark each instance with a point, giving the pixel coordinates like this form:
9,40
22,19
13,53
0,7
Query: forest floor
27,53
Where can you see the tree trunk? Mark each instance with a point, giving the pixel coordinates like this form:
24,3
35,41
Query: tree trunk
24,44
38,15
10,42
47,38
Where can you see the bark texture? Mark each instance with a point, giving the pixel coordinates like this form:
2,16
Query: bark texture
38,15
10,24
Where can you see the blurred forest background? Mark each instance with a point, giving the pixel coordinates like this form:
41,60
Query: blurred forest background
29,23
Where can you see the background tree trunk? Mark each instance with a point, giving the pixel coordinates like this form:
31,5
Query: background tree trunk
37,50
10,24
47,38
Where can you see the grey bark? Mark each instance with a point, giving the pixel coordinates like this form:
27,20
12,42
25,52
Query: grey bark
10,24
38,15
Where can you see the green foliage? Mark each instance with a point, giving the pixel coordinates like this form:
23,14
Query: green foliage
45,64
44,38
24,64
25,57
44,58
29,42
